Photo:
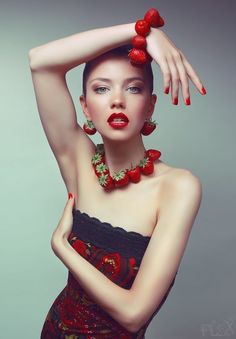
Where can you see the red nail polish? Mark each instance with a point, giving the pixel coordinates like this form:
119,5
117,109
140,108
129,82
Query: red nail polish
175,101
70,195
203,90
187,101
167,90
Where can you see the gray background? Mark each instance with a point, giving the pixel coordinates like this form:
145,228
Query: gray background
199,137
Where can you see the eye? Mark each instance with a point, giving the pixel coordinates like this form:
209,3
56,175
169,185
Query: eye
99,89
135,89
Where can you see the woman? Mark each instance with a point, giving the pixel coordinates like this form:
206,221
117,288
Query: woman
113,238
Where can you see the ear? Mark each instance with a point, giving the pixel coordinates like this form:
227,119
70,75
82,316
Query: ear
84,106
152,105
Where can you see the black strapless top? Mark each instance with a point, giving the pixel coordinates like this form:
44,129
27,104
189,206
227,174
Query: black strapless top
116,253
112,238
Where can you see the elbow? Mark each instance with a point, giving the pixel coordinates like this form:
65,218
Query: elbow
128,323
133,322
134,326
32,57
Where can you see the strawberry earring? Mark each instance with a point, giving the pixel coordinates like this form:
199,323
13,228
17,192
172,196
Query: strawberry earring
148,126
89,128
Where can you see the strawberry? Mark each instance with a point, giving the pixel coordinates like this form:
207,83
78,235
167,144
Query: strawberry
142,27
121,178
106,181
161,22
101,169
97,159
134,174
89,127
138,56
139,42
153,17
146,166
148,127
153,154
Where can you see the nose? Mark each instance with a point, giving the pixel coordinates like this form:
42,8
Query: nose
117,99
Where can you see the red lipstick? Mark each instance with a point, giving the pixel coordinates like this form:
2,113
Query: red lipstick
118,116
118,120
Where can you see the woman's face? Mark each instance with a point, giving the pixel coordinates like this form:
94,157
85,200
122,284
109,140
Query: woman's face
114,85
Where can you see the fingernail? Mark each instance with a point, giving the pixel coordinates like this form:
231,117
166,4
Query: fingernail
70,195
203,90
187,101
175,101
167,90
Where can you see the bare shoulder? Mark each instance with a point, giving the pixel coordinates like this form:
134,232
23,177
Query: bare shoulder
181,192
180,183
181,177
178,176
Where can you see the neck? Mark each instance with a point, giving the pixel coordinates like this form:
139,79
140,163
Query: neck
121,154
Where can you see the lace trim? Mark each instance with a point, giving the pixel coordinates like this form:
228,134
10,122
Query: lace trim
116,228
104,235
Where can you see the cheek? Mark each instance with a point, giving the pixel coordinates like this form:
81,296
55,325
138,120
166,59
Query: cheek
138,107
97,100
96,107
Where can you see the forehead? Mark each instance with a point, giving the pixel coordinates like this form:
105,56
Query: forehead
115,68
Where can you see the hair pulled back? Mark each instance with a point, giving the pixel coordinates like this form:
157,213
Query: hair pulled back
119,51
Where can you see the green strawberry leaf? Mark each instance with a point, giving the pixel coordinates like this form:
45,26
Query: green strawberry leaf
101,168
96,158
118,175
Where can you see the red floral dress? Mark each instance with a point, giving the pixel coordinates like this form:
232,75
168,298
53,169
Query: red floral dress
115,252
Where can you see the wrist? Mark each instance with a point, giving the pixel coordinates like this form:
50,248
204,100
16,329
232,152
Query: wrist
155,32
143,27
57,241
123,33
131,31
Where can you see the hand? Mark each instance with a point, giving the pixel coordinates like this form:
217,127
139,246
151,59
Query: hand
174,66
65,224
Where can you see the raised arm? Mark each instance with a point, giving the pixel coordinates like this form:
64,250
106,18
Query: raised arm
49,64
66,53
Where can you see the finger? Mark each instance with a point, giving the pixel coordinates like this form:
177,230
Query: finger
70,203
183,78
66,219
192,74
166,75
68,207
175,78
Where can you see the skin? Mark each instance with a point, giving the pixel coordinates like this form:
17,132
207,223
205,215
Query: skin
117,95
179,192
167,245
170,197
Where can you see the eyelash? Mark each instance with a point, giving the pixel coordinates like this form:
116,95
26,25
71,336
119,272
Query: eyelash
96,89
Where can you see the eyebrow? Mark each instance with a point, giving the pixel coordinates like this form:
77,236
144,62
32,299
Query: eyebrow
109,80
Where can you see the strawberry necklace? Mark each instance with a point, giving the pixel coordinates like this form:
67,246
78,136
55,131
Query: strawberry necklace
123,177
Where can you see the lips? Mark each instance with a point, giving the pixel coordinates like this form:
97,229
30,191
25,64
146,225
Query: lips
119,115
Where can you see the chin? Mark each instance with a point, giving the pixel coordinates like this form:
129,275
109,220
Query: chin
119,136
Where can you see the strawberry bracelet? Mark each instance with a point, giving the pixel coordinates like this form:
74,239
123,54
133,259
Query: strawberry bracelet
138,54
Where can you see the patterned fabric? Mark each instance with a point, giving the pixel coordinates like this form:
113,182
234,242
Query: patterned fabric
115,252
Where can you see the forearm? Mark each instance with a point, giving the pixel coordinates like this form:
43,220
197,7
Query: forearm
114,299
76,49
